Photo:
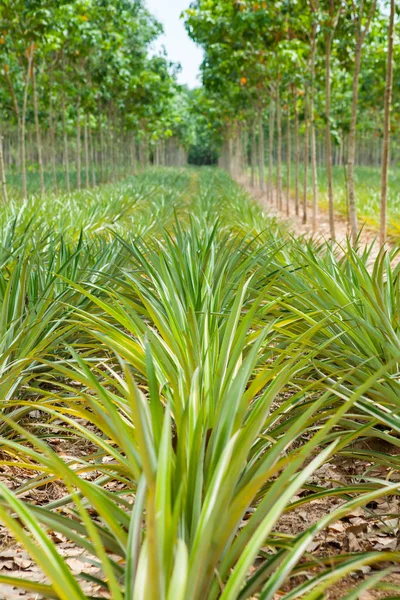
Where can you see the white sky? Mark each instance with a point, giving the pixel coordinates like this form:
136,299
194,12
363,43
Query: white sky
180,47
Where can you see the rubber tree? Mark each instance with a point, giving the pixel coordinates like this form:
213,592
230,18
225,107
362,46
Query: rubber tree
387,124
361,14
332,10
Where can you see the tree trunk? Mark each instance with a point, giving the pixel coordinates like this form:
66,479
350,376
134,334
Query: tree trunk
305,158
297,155
329,172
86,143
244,158
114,148
65,137
133,154
352,149
360,36
271,150
37,130
253,153
3,172
92,156
78,148
386,128
279,149
141,152
23,122
52,127
289,159
261,150
312,131
102,166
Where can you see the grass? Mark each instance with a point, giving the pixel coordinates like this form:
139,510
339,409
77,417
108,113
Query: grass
210,364
14,179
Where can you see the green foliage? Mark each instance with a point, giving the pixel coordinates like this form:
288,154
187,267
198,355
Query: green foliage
93,53
212,364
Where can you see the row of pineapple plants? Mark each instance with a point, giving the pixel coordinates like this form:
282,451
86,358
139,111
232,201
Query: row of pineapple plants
213,363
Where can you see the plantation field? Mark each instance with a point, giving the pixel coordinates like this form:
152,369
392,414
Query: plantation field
368,184
57,183
195,405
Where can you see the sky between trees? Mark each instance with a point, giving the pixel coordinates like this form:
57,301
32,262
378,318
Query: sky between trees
179,46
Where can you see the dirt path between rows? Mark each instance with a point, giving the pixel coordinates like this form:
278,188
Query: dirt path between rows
295,224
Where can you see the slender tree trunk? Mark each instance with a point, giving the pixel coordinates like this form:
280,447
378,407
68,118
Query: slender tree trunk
3,172
23,123
92,156
297,155
341,150
253,153
114,148
386,128
18,155
261,149
312,131
305,157
65,136
53,150
360,36
78,148
229,154
141,152
289,158
271,150
86,143
133,154
329,172
156,155
279,148
244,158
352,150
37,130
102,166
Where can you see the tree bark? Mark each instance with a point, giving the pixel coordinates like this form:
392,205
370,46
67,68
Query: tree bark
329,172
37,130
253,153
53,150
114,148
92,156
360,36
65,138
305,158
271,150
312,131
386,128
17,111
86,143
289,158
3,172
102,165
133,154
279,149
261,150
297,155
78,148
23,123
352,150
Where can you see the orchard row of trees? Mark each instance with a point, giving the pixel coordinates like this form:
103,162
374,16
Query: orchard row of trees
82,98
301,81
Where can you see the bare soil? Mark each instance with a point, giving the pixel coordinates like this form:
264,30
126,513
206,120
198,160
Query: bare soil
368,237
